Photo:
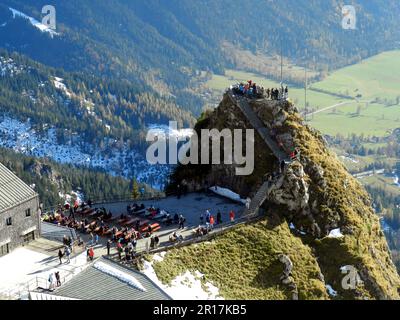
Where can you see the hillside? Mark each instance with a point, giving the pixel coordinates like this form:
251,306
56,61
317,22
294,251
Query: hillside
316,214
80,119
164,44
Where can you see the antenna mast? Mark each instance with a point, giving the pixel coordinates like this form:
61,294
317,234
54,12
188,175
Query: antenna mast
305,92
281,63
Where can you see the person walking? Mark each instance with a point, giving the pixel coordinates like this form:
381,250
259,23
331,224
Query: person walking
219,217
67,253
232,216
96,239
60,255
248,202
181,222
108,246
212,221
202,218
208,215
91,253
119,249
156,241
57,274
51,282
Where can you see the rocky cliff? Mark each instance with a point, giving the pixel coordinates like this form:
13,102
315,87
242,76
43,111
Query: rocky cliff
314,206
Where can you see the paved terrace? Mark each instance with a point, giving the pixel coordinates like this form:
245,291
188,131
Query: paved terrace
190,206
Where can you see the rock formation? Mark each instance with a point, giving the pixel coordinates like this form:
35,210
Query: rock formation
315,194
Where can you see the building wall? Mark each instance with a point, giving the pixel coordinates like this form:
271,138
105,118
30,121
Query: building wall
20,223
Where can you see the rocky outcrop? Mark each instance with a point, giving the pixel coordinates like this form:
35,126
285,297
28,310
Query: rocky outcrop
286,277
315,193
291,189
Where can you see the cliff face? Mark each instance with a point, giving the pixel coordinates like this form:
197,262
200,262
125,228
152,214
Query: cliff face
314,195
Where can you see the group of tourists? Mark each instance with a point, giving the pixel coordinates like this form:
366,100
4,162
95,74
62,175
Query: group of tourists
54,280
251,90
128,249
277,94
210,221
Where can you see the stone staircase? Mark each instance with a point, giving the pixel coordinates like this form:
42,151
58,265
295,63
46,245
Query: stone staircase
258,125
264,132
258,200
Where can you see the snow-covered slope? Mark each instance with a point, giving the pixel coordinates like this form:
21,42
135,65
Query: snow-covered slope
34,22
22,138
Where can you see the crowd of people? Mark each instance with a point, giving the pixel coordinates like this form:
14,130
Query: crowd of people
122,232
251,90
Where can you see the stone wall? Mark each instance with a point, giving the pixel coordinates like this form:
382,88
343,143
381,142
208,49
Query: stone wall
14,234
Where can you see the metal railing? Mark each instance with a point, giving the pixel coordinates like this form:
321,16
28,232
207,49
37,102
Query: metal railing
193,239
115,199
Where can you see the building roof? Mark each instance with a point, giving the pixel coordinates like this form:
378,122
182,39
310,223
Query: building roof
13,191
95,284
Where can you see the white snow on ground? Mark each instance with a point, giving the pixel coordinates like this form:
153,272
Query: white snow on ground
58,83
23,265
159,256
122,276
8,67
75,195
396,180
293,227
227,194
34,22
22,138
347,158
331,292
335,233
184,287
169,132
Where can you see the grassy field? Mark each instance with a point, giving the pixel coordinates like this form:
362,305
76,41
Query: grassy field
243,263
383,182
377,77
220,83
374,119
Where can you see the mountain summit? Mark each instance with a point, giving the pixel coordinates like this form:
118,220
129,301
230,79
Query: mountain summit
317,221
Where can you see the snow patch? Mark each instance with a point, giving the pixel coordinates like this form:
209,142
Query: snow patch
335,233
169,132
347,158
122,276
34,22
396,180
158,257
331,292
58,83
187,286
227,194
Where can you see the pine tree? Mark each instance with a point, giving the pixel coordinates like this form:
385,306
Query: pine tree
135,189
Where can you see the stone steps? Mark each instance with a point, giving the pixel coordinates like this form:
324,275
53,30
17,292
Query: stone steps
258,125
264,132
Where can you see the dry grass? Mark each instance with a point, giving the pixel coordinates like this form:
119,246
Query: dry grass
244,263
